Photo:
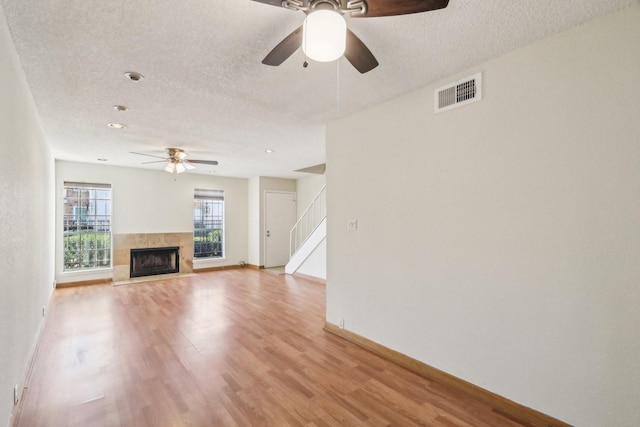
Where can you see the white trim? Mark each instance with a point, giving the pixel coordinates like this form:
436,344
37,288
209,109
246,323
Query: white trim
82,275
208,262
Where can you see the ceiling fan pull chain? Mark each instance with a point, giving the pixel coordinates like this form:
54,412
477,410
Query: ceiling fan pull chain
338,88
305,64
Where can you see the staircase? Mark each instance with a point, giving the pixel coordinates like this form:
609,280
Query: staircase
308,232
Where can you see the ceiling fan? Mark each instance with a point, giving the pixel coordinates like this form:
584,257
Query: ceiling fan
177,160
356,52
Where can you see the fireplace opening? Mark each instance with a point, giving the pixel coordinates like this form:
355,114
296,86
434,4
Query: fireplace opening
154,261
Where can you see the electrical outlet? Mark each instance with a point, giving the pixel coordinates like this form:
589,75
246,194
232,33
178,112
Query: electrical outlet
352,225
15,395
341,324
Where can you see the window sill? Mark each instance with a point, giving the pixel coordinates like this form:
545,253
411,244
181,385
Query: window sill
204,263
82,275
207,260
87,271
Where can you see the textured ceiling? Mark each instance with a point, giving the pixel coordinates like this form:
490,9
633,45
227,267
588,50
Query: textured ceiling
205,89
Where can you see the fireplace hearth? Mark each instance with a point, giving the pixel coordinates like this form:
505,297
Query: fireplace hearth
154,261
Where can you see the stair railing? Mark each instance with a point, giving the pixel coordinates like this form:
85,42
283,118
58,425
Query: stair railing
308,222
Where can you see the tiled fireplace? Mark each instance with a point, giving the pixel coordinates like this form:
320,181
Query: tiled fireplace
154,261
124,243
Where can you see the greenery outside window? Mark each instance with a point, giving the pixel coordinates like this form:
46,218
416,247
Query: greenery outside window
87,226
208,224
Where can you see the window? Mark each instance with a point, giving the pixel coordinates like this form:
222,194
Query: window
208,224
87,226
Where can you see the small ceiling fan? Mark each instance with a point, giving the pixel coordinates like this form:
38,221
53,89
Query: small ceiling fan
177,160
356,52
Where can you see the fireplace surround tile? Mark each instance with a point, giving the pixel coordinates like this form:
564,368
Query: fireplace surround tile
155,241
120,256
172,239
123,243
120,272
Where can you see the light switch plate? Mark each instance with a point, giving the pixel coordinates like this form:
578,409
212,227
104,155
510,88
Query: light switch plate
352,224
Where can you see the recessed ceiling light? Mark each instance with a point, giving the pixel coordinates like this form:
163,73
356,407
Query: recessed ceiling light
120,108
116,125
133,76
102,160
268,151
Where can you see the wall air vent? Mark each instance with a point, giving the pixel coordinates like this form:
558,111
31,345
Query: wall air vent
459,93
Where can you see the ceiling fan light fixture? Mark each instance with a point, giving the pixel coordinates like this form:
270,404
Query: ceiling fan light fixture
176,167
176,160
324,35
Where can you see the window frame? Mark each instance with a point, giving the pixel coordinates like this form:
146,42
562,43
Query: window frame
214,242
89,217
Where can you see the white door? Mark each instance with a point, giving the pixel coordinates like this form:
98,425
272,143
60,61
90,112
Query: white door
279,218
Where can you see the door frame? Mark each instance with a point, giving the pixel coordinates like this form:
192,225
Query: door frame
264,224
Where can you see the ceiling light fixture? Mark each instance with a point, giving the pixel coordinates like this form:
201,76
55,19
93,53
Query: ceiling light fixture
133,76
268,151
324,35
116,125
175,167
120,108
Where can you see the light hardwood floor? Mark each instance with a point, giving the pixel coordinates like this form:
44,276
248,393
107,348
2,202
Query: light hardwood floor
225,348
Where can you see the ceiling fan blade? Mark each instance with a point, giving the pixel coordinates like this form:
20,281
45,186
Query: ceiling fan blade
391,8
284,49
358,54
150,155
155,161
204,162
271,2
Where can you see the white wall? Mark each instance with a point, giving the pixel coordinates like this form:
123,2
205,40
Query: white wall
26,217
500,241
147,201
316,263
307,189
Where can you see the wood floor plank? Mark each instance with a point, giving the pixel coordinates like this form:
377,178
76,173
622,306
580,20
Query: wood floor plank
224,348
